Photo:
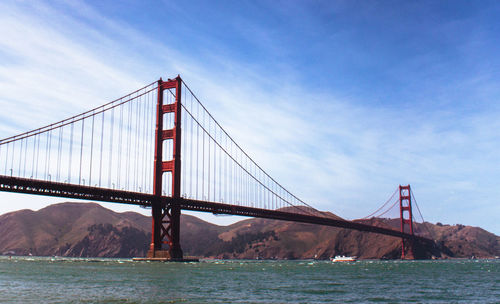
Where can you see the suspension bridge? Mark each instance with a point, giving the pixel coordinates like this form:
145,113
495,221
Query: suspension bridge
159,147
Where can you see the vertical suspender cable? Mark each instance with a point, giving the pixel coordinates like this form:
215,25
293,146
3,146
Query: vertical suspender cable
81,153
111,143
231,178
91,150
220,168
50,151
101,149
136,160
134,152
12,160
127,159
25,156
33,161
46,157
70,151
197,151
7,159
209,152
203,162
120,134
20,159
59,143
215,158
37,154
226,173
191,153
145,142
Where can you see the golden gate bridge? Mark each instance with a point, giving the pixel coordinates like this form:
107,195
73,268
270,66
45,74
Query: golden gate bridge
159,147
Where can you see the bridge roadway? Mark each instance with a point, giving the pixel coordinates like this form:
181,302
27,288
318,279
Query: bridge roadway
48,188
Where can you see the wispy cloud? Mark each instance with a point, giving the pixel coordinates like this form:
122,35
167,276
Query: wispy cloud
336,151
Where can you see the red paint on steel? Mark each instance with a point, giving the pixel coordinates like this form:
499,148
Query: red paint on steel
168,166
166,215
405,209
57,189
168,134
168,108
175,212
156,204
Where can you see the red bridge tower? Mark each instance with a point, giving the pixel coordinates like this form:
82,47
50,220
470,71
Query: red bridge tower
406,218
166,212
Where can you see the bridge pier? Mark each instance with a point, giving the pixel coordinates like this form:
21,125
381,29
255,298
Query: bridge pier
165,231
407,249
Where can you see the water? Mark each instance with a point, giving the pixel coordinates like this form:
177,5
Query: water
61,280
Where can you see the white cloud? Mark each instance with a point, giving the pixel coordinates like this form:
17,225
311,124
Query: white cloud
336,154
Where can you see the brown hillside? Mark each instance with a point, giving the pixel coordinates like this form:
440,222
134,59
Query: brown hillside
87,229
60,229
456,240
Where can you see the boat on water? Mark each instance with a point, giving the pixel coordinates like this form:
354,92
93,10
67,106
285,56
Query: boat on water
343,258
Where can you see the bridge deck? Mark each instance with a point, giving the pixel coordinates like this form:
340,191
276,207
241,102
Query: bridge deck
40,187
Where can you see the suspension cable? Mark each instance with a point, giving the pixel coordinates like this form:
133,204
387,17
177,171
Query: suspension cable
244,169
78,117
418,209
387,202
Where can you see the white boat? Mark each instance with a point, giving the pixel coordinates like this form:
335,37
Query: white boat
343,258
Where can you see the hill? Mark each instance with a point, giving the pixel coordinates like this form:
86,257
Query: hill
90,230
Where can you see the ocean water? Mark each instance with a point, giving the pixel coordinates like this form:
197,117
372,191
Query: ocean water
63,280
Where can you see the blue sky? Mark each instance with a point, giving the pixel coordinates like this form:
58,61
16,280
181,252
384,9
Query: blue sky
341,101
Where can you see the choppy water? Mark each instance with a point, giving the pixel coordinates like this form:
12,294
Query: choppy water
48,280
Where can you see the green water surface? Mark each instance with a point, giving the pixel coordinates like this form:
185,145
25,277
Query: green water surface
62,280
